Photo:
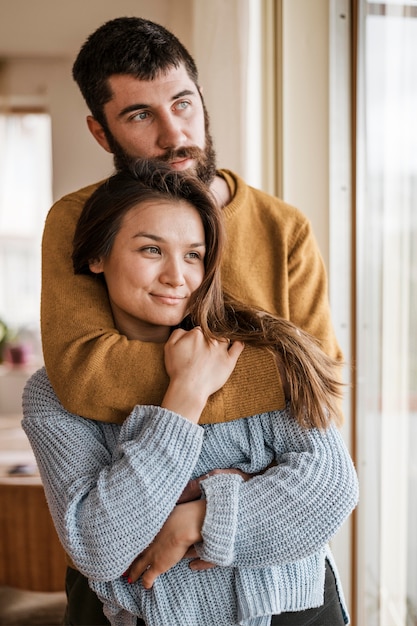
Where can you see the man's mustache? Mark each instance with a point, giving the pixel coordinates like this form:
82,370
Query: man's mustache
189,152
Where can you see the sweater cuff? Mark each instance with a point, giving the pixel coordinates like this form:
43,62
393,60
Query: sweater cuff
220,522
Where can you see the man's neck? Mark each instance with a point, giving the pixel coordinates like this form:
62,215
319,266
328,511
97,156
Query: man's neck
221,192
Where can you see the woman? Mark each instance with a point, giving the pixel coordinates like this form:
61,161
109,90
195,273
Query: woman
249,552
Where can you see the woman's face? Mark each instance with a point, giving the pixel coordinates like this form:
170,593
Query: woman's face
156,263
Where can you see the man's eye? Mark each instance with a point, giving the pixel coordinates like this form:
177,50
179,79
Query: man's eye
142,115
184,104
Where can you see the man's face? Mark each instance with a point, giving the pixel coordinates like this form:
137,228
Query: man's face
162,118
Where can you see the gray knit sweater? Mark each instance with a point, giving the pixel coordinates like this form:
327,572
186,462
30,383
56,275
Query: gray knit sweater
110,489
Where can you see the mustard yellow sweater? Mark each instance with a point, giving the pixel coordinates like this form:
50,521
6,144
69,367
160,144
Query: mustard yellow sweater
272,260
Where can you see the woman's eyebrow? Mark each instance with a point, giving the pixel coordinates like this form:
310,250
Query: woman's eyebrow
197,244
148,236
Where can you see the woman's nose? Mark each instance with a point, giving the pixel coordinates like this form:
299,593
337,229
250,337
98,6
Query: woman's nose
172,274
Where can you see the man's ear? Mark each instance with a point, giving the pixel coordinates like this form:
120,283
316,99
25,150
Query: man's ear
96,266
98,133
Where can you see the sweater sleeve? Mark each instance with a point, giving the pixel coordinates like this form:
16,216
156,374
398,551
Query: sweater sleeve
109,490
109,375
276,262
308,289
290,511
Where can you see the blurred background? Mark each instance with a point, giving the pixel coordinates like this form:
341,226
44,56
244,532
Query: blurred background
311,100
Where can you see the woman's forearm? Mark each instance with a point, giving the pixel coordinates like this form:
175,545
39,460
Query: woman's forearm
109,490
181,530
285,514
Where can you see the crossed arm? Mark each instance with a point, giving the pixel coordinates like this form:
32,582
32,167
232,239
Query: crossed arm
178,536
113,492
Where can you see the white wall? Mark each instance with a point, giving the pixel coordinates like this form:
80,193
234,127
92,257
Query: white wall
52,28
220,47
306,112
39,49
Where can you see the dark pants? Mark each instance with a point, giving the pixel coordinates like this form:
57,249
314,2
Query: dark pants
329,614
85,609
83,606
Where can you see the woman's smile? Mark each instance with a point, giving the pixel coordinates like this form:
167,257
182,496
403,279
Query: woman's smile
155,265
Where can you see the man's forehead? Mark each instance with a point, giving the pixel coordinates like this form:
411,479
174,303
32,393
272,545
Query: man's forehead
167,79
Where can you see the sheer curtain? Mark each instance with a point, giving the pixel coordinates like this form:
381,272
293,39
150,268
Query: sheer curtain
387,313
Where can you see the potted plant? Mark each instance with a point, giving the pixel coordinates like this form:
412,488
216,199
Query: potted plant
4,337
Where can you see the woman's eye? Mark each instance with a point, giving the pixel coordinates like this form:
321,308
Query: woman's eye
193,255
150,250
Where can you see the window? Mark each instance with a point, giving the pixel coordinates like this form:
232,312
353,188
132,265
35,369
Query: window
387,313
25,197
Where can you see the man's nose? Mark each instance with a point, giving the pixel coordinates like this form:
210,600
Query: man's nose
171,134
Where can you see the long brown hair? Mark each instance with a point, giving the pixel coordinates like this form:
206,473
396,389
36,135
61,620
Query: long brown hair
101,218
311,376
309,373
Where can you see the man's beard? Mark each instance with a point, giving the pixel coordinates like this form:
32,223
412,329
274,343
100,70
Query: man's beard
205,160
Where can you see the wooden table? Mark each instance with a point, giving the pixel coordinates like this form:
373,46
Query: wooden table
14,445
31,556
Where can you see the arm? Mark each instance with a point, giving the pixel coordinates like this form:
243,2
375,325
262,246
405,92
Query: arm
108,373
305,498
276,263
308,290
109,490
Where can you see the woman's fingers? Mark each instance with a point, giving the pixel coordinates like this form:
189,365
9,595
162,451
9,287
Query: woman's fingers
138,567
198,565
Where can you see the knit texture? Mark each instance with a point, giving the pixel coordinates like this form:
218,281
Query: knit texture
272,260
110,488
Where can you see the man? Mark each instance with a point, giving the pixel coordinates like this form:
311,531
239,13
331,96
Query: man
141,86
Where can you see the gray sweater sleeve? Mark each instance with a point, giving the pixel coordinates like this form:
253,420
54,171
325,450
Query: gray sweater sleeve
290,511
109,490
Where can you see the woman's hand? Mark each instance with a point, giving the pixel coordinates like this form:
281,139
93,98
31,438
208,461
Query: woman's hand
196,368
181,531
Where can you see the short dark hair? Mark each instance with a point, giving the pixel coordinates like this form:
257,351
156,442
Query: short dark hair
126,45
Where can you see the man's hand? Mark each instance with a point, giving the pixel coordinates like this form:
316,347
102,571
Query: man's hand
181,531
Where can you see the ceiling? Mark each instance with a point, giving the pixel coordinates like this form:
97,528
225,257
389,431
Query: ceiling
36,28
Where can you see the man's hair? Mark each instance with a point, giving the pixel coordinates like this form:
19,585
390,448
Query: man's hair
126,45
